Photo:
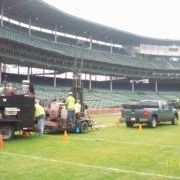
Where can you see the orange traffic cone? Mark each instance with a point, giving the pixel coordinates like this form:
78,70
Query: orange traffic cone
1,142
140,128
65,137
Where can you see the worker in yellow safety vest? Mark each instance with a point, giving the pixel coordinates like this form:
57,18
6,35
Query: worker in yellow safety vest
77,109
40,117
70,106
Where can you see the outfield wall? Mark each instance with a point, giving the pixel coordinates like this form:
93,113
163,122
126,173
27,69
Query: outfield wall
104,111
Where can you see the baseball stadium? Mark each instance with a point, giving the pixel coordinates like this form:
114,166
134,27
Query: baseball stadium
106,69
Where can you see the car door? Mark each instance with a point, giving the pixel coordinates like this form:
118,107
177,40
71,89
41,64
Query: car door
166,113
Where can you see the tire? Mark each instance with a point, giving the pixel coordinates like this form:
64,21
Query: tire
153,122
84,127
7,131
129,124
174,120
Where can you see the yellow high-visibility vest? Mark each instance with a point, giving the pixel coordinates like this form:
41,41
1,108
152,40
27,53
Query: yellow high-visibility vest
77,108
71,102
39,110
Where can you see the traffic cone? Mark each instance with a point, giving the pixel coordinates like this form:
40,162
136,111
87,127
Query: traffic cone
1,142
65,137
140,128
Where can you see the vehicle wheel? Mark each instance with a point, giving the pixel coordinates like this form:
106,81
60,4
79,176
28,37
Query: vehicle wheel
7,131
153,122
84,127
129,124
174,120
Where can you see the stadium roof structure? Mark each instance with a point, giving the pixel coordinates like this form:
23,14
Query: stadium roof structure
46,16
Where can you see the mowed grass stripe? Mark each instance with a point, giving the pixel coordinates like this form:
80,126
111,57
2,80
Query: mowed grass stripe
115,170
124,142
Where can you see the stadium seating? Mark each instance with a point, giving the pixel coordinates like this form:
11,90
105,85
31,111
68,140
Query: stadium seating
99,97
86,53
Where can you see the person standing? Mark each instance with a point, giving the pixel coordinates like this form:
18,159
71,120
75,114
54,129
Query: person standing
77,109
70,105
31,90
40,117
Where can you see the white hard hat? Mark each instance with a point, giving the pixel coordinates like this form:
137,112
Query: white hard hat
70,93
37,101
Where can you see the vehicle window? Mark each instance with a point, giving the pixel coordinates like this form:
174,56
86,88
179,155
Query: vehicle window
165,106
150,104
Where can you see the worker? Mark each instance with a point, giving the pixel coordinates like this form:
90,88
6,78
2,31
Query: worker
10,90
77,109
70,105
54,109
31,90
40,117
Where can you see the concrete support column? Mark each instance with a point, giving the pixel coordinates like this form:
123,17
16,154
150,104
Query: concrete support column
29,25
55,79
132,86
0,74
90,82
90,43
55,36
2,15
28,73
111,84
156,86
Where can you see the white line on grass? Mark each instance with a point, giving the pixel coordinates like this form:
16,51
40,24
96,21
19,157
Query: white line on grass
117,170
124,142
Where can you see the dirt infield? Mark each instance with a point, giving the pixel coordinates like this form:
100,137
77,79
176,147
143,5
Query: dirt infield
104,111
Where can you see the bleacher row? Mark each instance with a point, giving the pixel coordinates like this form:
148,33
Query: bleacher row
103,98
98,98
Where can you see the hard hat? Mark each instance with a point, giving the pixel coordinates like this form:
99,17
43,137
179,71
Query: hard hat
70,93
37,101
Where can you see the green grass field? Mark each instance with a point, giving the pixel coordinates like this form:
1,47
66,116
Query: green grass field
110,152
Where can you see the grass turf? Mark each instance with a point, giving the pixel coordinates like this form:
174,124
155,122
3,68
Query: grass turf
110,152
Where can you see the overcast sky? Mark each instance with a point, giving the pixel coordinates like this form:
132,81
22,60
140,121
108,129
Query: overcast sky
151,18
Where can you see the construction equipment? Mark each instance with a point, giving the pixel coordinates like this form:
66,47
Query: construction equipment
56,123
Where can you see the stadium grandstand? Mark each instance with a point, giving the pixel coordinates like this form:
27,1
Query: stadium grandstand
50,48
